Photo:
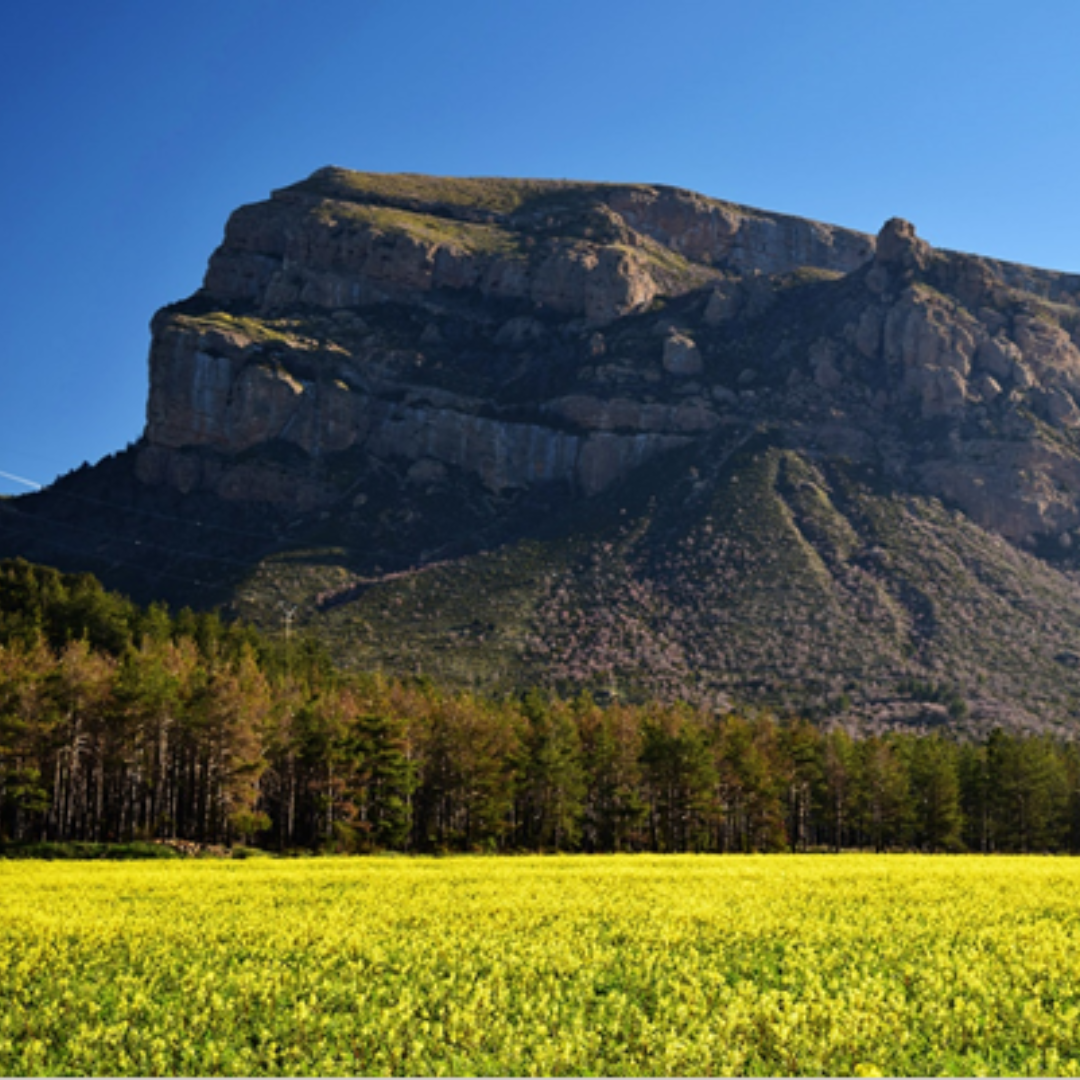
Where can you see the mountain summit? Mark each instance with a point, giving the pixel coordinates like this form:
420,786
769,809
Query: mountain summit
618,437
454,324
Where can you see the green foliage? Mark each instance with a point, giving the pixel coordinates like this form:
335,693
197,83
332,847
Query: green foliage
934,811
383,780
199,733
50,850
680,779
500,196
551,780
290,332
40,601
477,239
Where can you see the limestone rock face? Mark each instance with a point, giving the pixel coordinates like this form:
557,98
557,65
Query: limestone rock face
931,344
337,241
303,332
724,303
524,333
954,345
216,391
1002,359
705,231
331,259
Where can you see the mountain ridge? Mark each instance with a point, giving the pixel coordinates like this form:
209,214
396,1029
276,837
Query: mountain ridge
622,437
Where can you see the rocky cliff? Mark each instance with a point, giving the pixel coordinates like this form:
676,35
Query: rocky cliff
537,332
622,437
465,324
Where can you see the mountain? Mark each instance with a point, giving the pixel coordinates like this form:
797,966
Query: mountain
619,437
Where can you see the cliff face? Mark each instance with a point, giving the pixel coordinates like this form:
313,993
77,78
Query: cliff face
339,313
537,332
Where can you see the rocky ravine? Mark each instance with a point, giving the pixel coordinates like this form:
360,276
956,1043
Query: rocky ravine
617,436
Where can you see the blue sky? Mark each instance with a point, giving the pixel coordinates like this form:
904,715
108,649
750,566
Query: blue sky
131,128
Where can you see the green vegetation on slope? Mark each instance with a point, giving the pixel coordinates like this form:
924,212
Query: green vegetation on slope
497,195
477,239
121,725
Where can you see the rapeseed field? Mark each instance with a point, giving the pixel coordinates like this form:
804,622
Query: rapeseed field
578,965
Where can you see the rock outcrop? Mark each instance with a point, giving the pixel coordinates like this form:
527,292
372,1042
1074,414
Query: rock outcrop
277,347
529,333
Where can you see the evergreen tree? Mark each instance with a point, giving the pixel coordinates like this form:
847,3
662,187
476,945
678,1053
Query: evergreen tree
750,785
840,766
935,787
680,781
883,801
550,776
383,780
614,807
800,748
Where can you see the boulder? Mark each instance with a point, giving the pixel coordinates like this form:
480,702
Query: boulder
682,356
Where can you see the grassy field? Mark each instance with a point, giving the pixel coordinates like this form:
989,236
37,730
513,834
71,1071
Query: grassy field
623,965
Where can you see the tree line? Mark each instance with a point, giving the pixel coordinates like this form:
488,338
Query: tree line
119,723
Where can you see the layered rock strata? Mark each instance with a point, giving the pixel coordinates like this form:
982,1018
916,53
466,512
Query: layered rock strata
341,244
526,332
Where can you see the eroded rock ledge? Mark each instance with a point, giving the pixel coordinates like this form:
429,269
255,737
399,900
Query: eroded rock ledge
530,332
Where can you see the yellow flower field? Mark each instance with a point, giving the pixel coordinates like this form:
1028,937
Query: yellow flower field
616,965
